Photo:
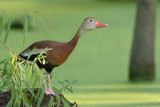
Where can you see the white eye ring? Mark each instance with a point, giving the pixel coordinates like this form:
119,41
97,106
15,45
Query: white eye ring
90,20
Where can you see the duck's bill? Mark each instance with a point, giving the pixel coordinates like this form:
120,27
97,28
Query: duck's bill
98,24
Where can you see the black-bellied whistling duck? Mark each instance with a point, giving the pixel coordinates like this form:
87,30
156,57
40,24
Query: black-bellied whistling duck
58,52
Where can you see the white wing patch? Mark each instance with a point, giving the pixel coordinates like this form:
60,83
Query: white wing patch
36,51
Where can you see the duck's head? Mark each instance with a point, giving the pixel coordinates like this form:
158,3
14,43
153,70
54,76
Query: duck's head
91,23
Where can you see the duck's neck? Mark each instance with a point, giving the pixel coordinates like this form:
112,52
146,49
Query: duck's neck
75,39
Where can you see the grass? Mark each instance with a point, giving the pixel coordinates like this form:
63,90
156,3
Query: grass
117,95
100,60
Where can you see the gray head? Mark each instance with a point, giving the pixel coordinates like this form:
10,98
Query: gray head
91,23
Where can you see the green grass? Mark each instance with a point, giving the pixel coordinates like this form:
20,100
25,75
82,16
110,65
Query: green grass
100,60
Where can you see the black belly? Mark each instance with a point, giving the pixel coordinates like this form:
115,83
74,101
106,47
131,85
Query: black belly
47,66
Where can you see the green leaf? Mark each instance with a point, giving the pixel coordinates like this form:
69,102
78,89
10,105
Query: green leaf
8,29
31,53
27,105
17,97
25,99
30,76
39,60
9,104
18,81
15,102
58,100
1,23
70,90
38,70
57,92
3,61
67,81
12,67
5,68
74,82
25,24
13,59
51,102
27,68
38,93
41,97
43,52
66,104
27,86
6,83
34,79
61,82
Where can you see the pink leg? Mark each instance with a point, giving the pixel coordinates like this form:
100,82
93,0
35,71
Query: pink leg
48,89
43,79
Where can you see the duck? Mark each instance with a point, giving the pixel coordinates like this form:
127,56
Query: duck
56,53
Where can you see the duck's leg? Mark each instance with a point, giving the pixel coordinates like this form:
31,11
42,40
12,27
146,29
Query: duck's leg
48,89
43,79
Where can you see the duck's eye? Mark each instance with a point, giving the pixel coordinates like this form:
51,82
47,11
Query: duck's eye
90,21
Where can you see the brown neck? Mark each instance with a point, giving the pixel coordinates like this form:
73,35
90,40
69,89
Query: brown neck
75,39
71,44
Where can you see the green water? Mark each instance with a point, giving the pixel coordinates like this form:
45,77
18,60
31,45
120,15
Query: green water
101,58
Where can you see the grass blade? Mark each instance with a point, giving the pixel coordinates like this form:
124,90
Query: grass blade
66,104
31,53
6,83
3,61
24,98
13,59
30,76
58,101
18,98
51,102
15,102
1,23
34,79
41,97
27,86
9,104
25,24
8,29
38,93
56,91
5,68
